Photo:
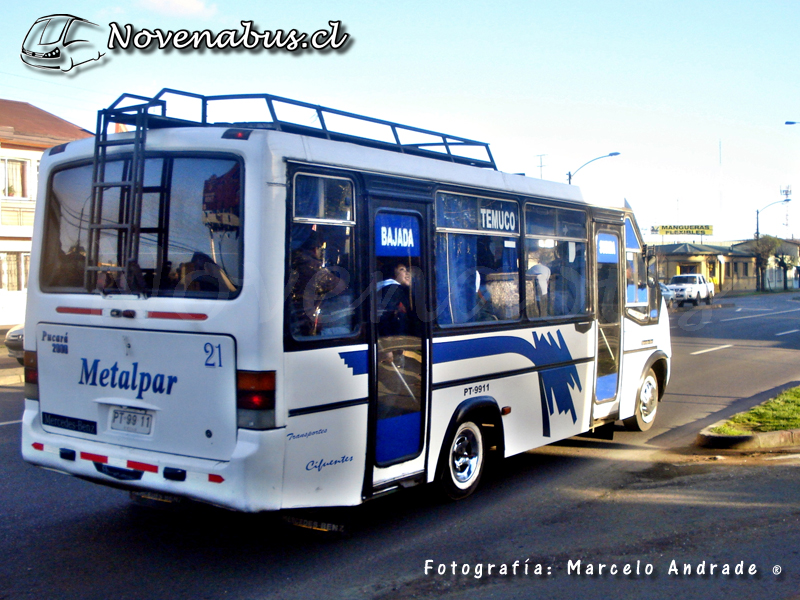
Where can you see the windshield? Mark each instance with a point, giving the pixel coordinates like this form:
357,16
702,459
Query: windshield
46,31
684,279
190,241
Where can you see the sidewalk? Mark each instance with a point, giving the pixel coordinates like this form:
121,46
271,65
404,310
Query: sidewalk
11,372
12,376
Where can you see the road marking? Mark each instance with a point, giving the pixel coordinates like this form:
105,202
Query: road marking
711,349
787,332
780,312
11,423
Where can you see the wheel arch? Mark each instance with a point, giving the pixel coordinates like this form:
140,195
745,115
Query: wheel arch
659,362
481,410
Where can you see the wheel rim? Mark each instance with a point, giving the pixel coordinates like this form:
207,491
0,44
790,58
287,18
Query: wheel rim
648,399
465,456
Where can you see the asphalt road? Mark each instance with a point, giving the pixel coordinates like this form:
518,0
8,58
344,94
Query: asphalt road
646,500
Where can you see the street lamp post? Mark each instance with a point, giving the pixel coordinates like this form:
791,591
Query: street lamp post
759,285
571,174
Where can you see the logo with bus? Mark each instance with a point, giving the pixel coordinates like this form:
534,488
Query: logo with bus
62,42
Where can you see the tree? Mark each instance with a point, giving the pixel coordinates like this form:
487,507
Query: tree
766,246
786,262
711,268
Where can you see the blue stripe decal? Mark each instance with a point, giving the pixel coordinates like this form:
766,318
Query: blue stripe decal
356,360
556,383
541,353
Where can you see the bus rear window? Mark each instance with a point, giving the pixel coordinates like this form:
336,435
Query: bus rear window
190,241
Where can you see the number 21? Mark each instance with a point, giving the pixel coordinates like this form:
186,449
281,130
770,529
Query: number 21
211,360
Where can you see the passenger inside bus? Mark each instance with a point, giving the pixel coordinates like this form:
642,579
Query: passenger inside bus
399,368
394,301
497,286
540,275
69,268
202,274
555,279
321,297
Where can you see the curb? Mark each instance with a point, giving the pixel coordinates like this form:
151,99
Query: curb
754,441
12,376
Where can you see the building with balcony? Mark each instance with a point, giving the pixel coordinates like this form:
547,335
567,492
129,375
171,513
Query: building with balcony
25,132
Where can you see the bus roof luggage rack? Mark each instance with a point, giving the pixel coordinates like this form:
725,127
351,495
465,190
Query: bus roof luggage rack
436,145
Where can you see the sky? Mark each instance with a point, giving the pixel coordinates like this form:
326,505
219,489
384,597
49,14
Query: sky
692,94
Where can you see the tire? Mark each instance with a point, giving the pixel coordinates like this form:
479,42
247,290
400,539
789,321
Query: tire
646,404
709,298
696,300
463,460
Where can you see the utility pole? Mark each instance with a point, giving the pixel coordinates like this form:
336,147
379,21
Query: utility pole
786,192
540,164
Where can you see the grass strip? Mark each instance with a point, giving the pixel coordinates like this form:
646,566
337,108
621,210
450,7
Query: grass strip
778,414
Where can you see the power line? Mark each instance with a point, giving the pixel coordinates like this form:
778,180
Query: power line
74,87
13,87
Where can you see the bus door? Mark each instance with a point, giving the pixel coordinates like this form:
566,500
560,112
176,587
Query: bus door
609,319
398,373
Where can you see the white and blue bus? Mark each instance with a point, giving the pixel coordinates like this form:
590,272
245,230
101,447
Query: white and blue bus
279,314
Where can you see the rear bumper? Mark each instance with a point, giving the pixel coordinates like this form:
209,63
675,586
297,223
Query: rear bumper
251,481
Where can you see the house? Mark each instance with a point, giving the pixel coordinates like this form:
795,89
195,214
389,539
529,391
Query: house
789,251
730,267
25,132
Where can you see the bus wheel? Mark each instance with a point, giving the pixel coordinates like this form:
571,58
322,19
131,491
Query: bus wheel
465,456
646,404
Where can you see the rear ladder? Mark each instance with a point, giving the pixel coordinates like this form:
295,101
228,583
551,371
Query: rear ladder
127,224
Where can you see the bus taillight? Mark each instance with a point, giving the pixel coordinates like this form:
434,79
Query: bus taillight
255,399
31,375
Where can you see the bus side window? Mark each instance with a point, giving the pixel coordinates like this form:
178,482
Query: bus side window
477,262
476,278
555,269
321,292
636,289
